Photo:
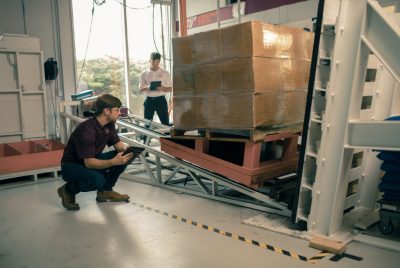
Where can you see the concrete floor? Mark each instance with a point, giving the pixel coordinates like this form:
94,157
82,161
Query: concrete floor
37,232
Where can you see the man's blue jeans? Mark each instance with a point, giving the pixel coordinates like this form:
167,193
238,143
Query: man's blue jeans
82,179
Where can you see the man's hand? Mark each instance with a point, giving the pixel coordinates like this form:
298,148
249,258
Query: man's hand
120,159
145,89
164,89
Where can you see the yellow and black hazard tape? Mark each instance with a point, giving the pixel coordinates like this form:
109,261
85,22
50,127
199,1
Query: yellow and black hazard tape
291,254
318,257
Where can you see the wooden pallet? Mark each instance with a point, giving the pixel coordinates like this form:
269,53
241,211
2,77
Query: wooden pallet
246,134
247,162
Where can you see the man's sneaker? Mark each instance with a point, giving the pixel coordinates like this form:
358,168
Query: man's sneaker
68,200
112,196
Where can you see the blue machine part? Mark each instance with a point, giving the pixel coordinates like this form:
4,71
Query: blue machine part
82,95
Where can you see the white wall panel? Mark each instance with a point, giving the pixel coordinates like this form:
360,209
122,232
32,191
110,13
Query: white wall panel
8,74
11,17
302,10
30,75
51,22
296,15
66,47
9,113
33,116
195,7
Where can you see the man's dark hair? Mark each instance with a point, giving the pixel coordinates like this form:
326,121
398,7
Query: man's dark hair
155,56
107,101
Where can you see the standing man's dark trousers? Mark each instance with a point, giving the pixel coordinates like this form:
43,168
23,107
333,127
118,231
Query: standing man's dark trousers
82,179
159,105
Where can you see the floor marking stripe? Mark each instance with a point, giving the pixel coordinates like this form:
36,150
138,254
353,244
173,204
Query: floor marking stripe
302,258
294,255
278,250
263,245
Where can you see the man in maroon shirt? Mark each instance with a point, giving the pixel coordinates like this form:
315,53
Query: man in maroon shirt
84,166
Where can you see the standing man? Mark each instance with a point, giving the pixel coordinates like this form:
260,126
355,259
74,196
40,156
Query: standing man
84,166
155,97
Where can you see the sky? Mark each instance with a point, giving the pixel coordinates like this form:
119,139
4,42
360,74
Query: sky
106,36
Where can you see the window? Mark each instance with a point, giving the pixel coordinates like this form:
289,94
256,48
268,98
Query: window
105,60
103,68
148,31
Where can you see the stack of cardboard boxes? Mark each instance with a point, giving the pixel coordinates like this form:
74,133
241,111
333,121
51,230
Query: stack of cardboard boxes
250,75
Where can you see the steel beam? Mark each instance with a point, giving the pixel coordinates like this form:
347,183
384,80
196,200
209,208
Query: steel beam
205,179
380,135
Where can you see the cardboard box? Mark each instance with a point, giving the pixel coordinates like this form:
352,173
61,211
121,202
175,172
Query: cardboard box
252,75
200,48
207,47
270,111
184,81
194,80
238,110
182,48
295,73
274,111
259,74
257,39
280,111
189,112
249,39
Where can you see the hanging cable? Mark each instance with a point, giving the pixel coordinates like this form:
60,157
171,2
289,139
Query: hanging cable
54,109
12,64
162,34
169,35
168,95
154,40
24,14
136,8
87,45
99,3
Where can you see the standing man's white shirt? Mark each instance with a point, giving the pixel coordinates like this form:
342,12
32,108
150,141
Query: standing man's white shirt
149,75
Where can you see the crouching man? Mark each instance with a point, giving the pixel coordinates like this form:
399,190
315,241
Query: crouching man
84,166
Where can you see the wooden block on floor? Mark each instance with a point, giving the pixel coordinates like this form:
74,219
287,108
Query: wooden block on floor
328,245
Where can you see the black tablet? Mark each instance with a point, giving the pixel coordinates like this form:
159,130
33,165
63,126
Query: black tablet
154,85
134,150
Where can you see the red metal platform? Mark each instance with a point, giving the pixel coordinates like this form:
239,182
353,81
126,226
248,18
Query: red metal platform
29,155
248,163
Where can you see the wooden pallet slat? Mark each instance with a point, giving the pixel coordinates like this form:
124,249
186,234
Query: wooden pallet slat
240,135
